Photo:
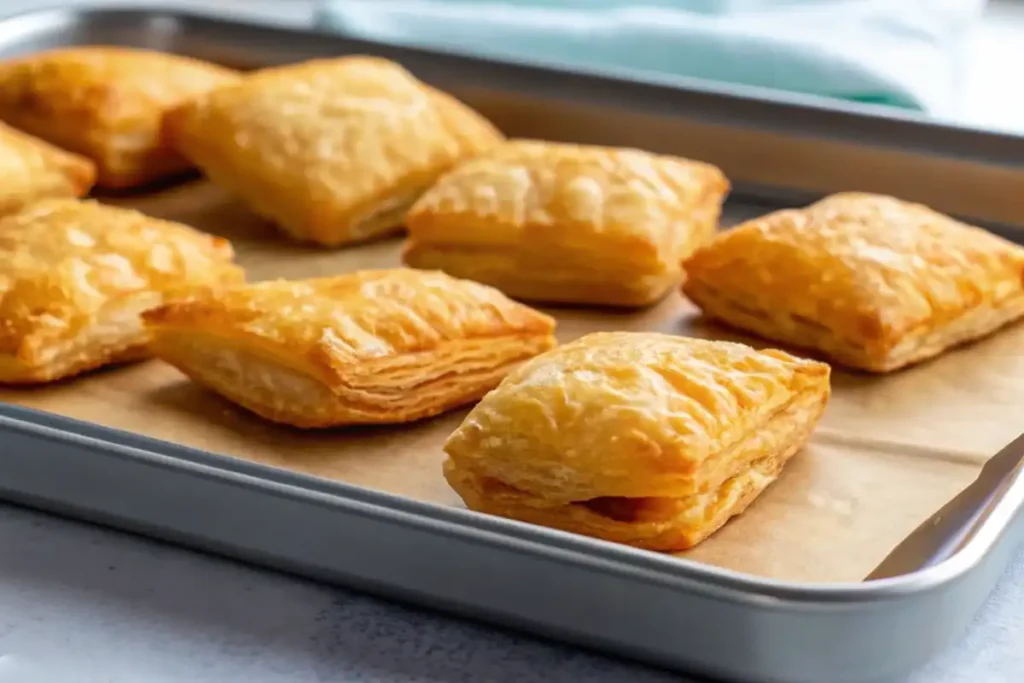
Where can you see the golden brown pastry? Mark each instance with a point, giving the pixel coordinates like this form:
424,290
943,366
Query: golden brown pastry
106,103
376,346
565,223
334,151
31,169
645,439
75,275
869,281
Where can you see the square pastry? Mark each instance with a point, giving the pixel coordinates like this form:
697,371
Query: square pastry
645,439
376,346
75,275
869,281
31,169
334,151
106,103
564,223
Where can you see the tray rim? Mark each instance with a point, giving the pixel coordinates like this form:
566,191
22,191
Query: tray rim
728,584
437,518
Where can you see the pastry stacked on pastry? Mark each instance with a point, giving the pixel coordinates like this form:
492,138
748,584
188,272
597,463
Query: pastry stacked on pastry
567,223
645,439
106,104
335,151
76,275
371,347
866,280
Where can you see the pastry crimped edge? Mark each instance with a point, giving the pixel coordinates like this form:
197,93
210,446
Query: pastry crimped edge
678,532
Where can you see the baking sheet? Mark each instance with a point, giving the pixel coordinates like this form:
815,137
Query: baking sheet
888,454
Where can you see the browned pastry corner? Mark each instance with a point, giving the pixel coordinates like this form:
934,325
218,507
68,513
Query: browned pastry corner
867,280
645,439
567,223
376,346
75,275
31,169
107,104
334,151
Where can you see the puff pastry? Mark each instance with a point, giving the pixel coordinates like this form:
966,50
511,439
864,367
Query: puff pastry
644,439
870,281
375,346
334,151
106,103
75,275
565,223
31,169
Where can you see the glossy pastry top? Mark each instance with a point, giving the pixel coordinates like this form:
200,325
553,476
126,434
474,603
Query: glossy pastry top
867,267
61,261
337,321
102,87
347,130
32,169
626,414
541,193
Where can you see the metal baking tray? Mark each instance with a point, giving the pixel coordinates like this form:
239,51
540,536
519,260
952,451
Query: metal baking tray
778,149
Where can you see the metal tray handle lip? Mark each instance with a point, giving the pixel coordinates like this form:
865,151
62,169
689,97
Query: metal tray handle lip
552,544
799,114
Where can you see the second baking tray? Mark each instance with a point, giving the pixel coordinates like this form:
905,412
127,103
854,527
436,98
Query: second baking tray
777,596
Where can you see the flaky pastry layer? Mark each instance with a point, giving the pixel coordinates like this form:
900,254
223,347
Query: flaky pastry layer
382,346
629,414
683,432
567,223
440,380
653,523
107,104
533,275
869,281
335,150
31,170
75,276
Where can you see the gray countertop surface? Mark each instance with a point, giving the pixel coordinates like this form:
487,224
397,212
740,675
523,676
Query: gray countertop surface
89,605
80,604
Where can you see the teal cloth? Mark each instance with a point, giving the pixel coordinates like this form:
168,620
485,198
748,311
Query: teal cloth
902,53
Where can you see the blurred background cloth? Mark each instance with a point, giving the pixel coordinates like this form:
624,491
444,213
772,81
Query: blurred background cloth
903,53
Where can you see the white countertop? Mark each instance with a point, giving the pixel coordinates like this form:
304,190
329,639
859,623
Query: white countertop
88,605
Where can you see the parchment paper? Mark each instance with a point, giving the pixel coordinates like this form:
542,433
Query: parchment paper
888,454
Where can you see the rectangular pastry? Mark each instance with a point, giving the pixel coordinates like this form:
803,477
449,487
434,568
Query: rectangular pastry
75,275
334,151
31,169
107,104
645,439
869,281
565,223
376,346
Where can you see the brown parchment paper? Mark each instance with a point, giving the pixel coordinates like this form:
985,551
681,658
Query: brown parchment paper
888,454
